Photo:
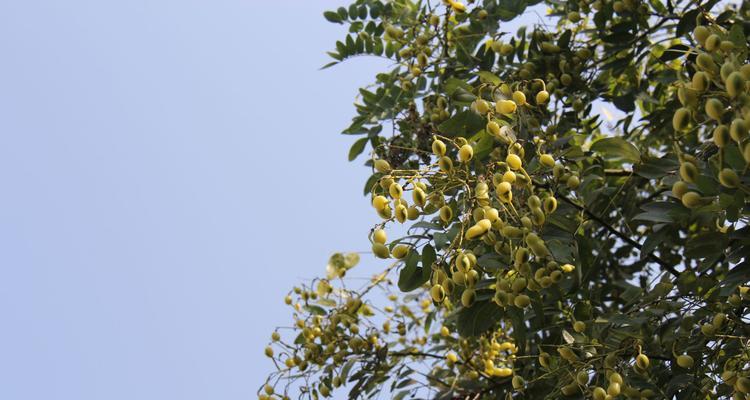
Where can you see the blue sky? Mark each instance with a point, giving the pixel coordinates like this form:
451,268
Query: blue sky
169,169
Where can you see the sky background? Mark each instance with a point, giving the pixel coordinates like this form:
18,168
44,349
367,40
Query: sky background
168,171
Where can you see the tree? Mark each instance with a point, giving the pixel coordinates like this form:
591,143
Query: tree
549,253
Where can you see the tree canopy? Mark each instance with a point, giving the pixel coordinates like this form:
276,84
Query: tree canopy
544,248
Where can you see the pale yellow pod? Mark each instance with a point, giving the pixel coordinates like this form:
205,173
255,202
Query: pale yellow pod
465,153
379,202
419,197
438,147
382,166
380,250
400,251
395,190
505,106
379,236
514,162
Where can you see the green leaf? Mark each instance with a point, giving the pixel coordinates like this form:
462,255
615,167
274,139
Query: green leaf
357,148
477,319
616,148
509,9
464,123
489,77
332,16
673,52
411,276
428,258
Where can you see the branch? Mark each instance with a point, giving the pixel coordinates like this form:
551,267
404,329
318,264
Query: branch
619,234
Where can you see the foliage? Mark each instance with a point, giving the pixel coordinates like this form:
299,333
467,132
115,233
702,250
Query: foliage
549,253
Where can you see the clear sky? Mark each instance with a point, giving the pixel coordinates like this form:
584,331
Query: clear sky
168,170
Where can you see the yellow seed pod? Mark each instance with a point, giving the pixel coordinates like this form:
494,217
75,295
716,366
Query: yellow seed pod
482,106
679,189
573,182
505,106
514,162
550,205
681,119
401,213
379,236
446,214
445,164
457,6
567,268
706,62
502,372
412,213
380,250
437,292
465,153
642,361
382,166
745,71
491,214
685,361
700,34
579,326
726,69
714,109
566,79
438,147
379,202
468,297
582,378
728,178
547,160
451,357
419,197
512,232
479,229
613,389
519,285
519,98
395,190
691,200
542,97
726,46
567,354
700,81
544,359
522,301
712,42
599,393
386,212
534,202
493,128
518,383
735,84
385,182
687,96
688,172
721,136
509,177
738,130
538,217
268,351
400,251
